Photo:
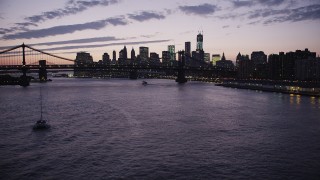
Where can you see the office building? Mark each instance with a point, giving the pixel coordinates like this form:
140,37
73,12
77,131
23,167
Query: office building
172,51
144,55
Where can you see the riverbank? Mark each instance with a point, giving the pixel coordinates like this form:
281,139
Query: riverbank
298,88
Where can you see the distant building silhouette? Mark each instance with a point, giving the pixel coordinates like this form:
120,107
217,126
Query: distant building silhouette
114,57
83,59
123,56
165,58
245,67
133,55
187,51
144,55
225,64
307,69
287,66
154,59
207,58
259,60
105,58
238,58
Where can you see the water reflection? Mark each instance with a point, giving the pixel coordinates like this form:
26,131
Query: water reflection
313,100
297,100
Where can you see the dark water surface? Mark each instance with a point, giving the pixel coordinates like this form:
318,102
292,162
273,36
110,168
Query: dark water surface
120,129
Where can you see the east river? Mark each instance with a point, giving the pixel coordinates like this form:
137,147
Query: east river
121,129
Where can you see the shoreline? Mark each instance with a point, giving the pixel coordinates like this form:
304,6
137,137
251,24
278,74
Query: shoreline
278,88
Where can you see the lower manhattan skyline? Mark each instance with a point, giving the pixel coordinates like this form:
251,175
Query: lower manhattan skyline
67,27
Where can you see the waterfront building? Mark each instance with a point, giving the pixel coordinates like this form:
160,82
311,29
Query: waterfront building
245,67
259,60
289,62
308,69
275,66
285,67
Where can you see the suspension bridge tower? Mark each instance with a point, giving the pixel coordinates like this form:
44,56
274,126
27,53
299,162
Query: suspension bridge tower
181,72
24,80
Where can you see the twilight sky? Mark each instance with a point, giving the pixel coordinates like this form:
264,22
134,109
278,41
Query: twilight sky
97,26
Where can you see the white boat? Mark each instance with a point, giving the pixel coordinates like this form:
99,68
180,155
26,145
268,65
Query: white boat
41,124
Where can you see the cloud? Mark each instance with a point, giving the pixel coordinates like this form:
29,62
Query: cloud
311,12
150,35
24,24
66,29
72,7
105,45
271,2
238,3
246,3
78,41
201,10
145,15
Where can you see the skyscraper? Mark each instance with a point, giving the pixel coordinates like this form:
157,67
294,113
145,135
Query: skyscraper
207,57
171,49
106,58
83,58
259,60
258,57
114,55
144,54
165,58
154,58
187,51
123,56
200,42
125,53
133,54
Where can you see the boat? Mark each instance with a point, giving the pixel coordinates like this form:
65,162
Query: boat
144,83
41,124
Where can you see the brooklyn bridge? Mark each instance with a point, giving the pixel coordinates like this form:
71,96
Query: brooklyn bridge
26,59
